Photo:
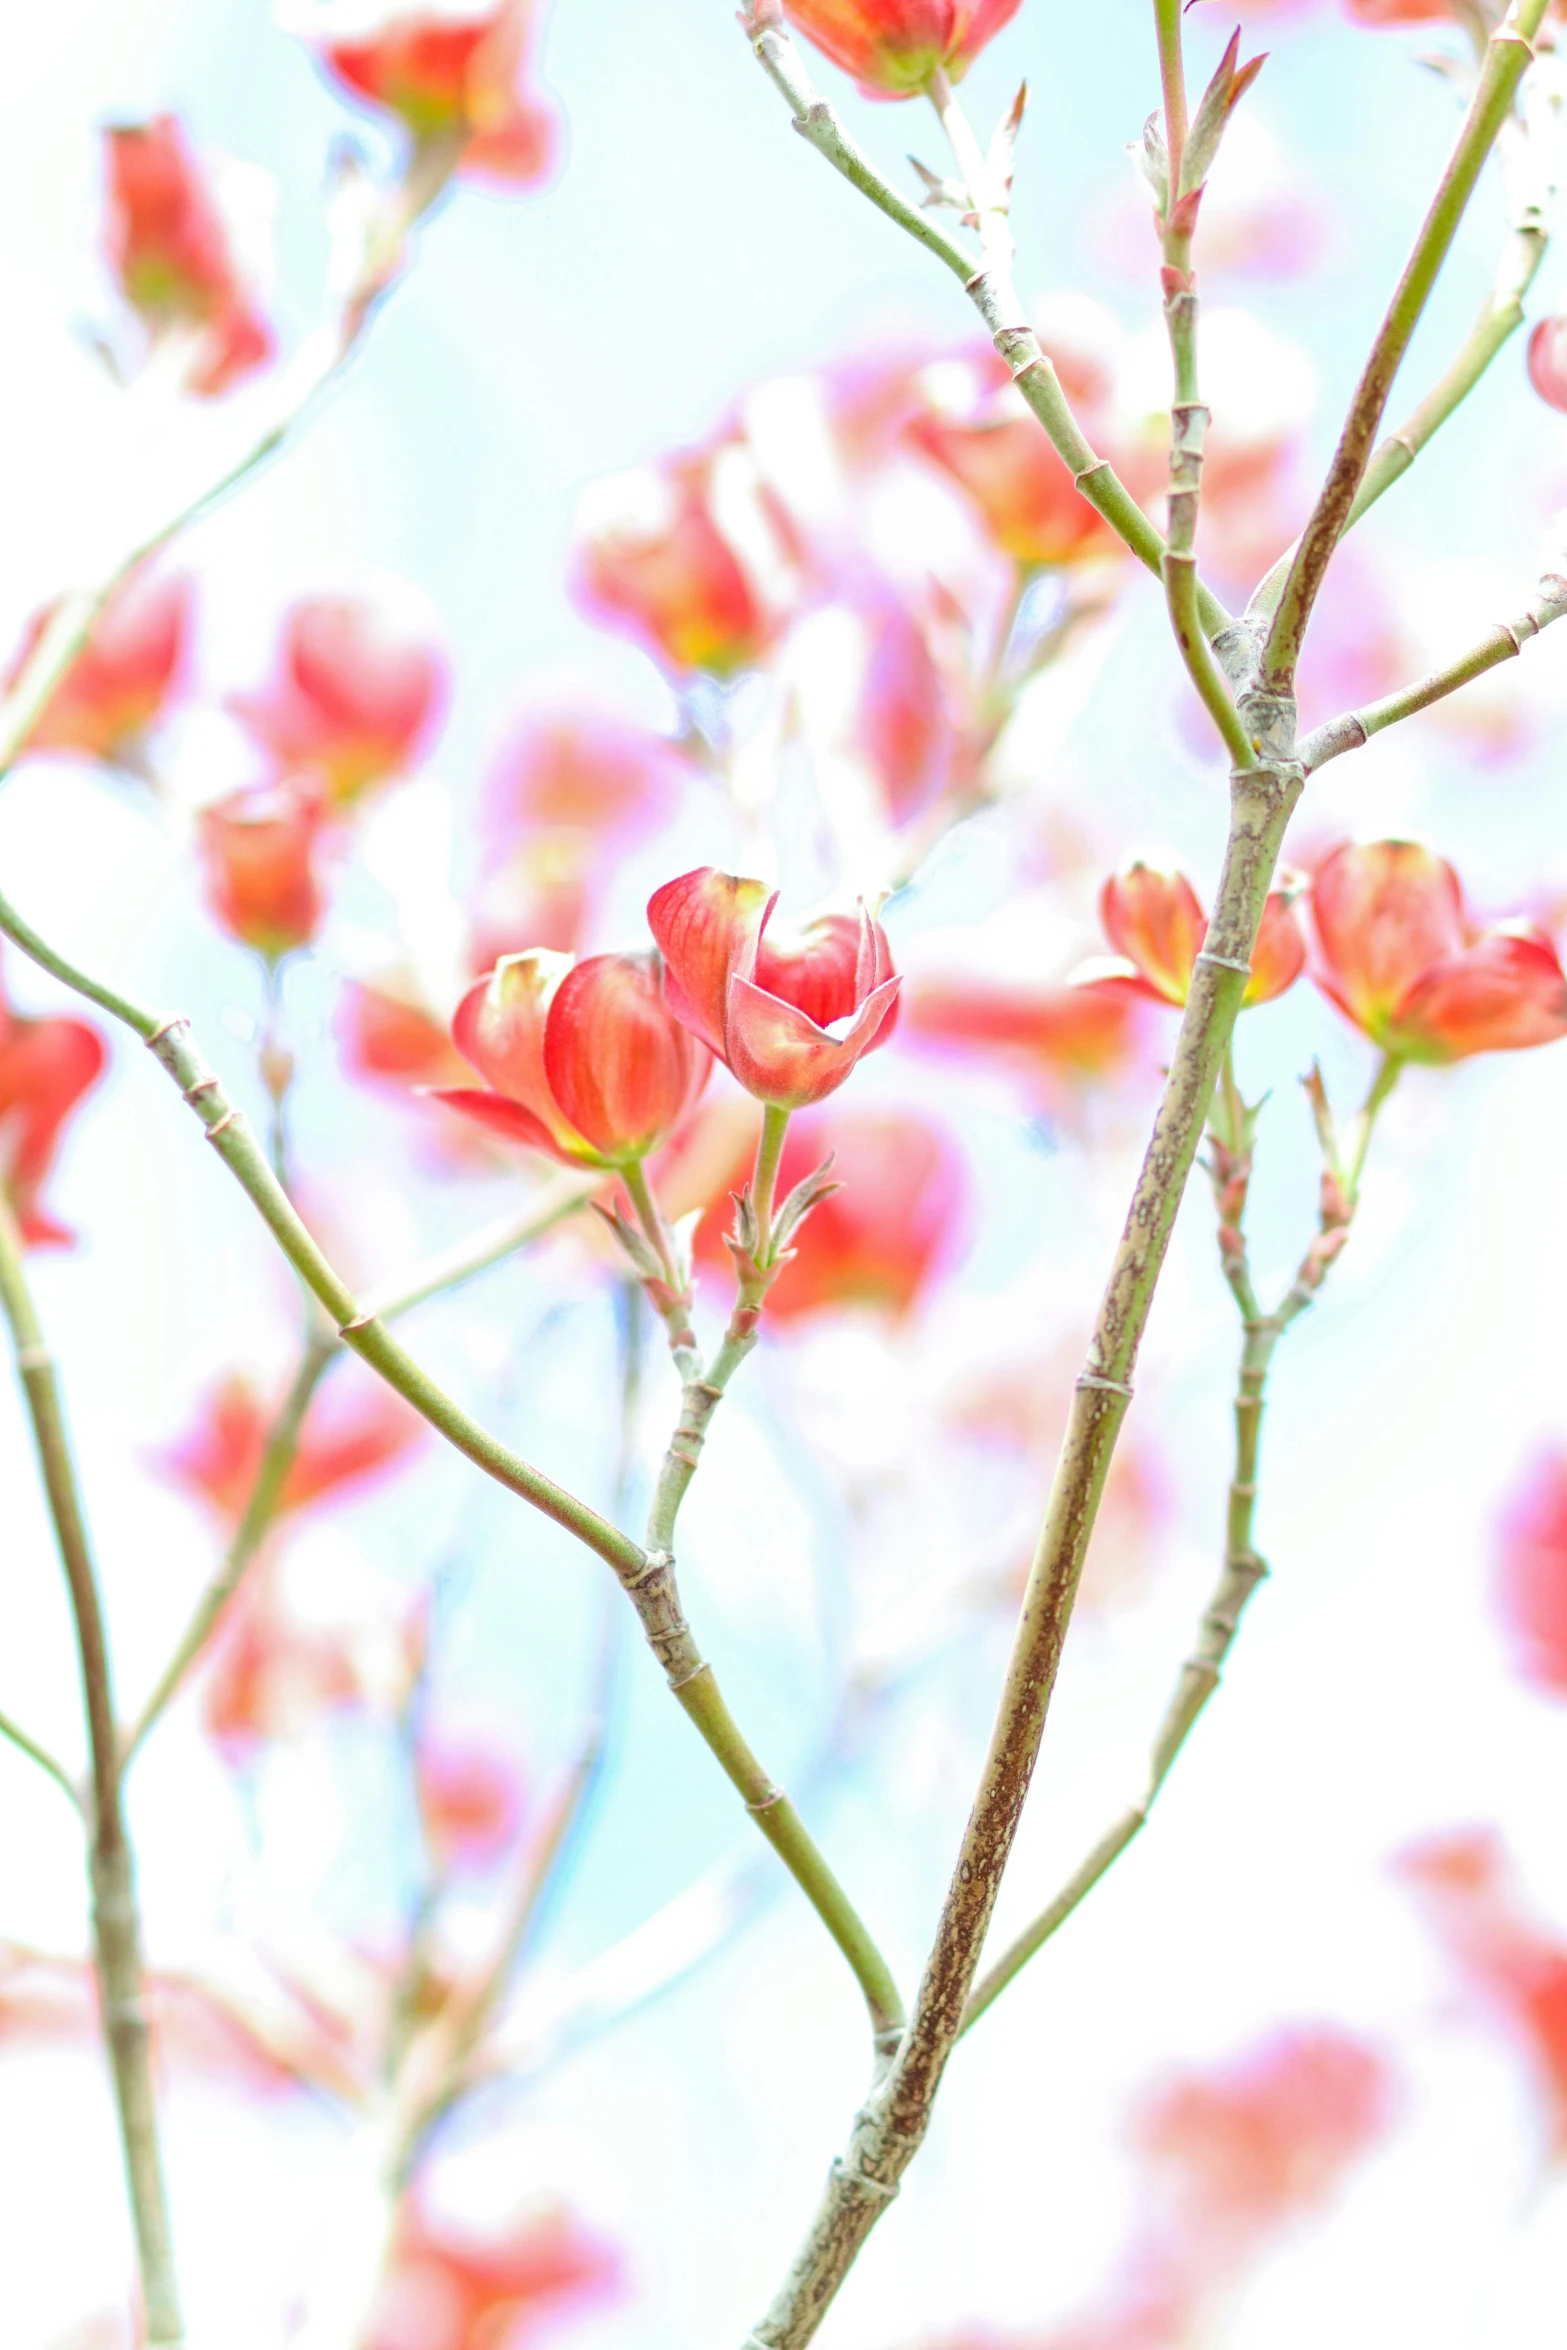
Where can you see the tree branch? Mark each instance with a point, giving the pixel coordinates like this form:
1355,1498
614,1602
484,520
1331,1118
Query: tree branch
989,289
1508,52
116,1923
1354,729
892,2123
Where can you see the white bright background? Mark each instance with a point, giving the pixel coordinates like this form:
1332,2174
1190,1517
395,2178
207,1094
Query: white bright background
690,246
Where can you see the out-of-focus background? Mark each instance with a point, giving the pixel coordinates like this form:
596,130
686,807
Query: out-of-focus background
855,1539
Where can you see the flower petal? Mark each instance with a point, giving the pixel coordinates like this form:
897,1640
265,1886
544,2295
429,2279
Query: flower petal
783,1057
707,925
508,1119
1384,912
1501,995
1155,920
620,1065
499,1027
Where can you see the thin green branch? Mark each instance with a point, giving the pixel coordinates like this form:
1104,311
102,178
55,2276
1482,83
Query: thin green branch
1243,1570
116,1922
1508,52
1354,728
988,288
25,1744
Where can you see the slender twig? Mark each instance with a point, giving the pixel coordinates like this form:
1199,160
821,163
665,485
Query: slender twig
1508,52
116,1922
1243,1569
987,287
1354,728
1189,418
28,1745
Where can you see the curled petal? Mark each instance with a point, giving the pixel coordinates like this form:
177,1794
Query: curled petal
707,925
499,1027
621,1067
1384,913
1501,995
782,1057
1116,974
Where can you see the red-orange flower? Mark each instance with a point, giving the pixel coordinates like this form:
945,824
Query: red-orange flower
388,1034
1255,2144
1467,1891
1400,957
448,2290
584,1060
689,557
470,1801
768,1006
170,252
1076,1034
892,47
258,852
46,1066
973,423
119,683
354,1434
884,1236
1156,922
1531,1574
353,700
449,77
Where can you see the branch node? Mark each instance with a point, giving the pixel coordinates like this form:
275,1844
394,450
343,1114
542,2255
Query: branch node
773,1795
862,2179
229,1118
166,1028
1092,1379
695,1674
33,1358
654,1563
1224,962
359,1322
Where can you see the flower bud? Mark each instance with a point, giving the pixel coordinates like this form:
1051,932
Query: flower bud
1548,361
586,1061
258,852
974,424
767,1006
893,47
1399,956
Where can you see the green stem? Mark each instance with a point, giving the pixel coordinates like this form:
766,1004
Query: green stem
1504,642
1508,52
987,288
256,1520
764,1181
56,1770
116,1922
1243,1569
1172,83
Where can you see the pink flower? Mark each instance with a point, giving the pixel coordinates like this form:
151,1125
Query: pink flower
170,252
893,47
354,701
458,78
586,1061
447,2289
690,556
46,1066
344,1443
1156,922
470,1800
1399,956
119,683
767,1007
